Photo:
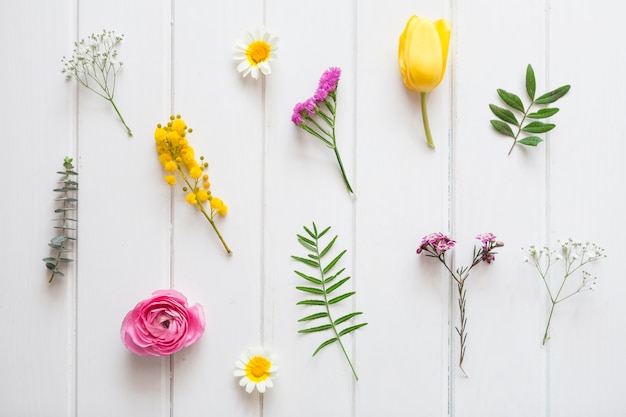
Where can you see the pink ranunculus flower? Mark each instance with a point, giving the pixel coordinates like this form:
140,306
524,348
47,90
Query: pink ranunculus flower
162,324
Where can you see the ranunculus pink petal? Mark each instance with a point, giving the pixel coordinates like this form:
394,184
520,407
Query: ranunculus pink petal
162,324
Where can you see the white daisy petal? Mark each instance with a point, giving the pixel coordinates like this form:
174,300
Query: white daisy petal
256,369
255,52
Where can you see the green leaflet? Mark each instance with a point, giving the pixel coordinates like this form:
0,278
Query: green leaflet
69,202
322,289
512,126
530,82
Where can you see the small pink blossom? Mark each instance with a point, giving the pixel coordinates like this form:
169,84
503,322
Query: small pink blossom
162,324
437,241
329,79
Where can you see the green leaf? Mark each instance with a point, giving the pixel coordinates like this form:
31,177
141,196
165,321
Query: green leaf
58,239
59,273
538,127
66,260
336,285
49,259
332,277
309,278
307,261
313,256
314,316
552,96
313,236
307,243
530,141
346,318
502,127
51,266
543,113
351,329
323,345
511,100
311,303
323,232
327,248
311,290
504,114
333,262
530,82
341,297
316,329
64,209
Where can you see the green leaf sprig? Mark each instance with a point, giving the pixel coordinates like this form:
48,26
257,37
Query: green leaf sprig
322,291
534,127
67,224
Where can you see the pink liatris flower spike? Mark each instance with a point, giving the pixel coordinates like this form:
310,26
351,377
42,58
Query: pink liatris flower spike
317,114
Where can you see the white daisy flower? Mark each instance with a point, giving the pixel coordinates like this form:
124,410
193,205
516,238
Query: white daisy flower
255,52
256,368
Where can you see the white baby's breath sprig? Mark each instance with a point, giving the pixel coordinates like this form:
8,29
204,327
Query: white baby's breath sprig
575,255
94,64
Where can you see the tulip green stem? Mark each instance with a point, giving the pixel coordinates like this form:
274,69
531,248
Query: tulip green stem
429,137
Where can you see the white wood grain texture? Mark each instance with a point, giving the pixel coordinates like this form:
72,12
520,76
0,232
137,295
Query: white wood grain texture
505,195
587,367
303,184
38,363
403,196
124,237
64,356
225,112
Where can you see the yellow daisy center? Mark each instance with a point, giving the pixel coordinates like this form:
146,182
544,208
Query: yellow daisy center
258,51
258,369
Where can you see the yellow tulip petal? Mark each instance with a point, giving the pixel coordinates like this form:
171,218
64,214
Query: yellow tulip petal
444,28
422,53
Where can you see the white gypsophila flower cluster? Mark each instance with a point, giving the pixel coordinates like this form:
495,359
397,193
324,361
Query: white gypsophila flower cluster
94,62
575,255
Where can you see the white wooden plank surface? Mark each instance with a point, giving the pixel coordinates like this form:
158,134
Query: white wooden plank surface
37,369
62,353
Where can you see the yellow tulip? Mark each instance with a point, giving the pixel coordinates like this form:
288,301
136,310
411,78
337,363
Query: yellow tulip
422,56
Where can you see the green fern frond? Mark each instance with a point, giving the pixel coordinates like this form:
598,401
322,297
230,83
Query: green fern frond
322,290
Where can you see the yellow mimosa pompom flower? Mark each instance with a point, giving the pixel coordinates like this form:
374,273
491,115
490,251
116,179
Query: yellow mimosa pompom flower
422,57
170,179
195,172
179,125
170,166
160,135
202,195
191,198
180,166
165,157
173,138
219,206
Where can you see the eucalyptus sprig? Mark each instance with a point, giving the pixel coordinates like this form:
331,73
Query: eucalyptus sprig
94,64
574,255
322,288
533,128
67,224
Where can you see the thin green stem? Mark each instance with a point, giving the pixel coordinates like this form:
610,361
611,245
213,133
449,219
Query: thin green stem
545,334
429,137
202,210
519,127
120,116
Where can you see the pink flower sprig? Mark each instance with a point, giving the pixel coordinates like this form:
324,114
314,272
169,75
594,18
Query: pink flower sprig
435,245
319,110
